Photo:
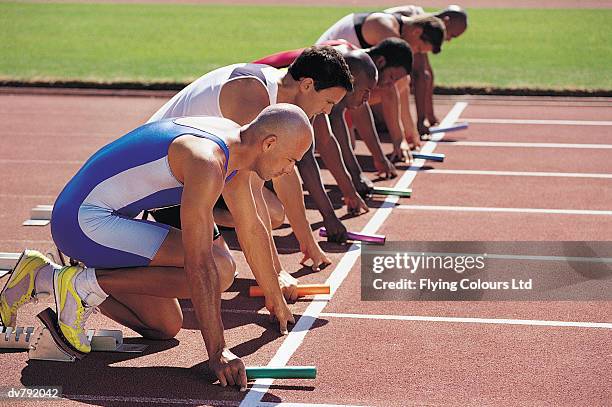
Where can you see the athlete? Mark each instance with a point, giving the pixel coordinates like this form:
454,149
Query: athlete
372,68
317,80
137,269
425,33
455,21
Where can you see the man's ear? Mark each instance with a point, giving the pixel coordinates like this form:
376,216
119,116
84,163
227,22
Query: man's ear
380,61
269,141
306,84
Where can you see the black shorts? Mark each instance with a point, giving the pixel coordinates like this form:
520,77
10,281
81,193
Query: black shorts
172,216
221,202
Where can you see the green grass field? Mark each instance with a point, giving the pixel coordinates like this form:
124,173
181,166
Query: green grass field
554,49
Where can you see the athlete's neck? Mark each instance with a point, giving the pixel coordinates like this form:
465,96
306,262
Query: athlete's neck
288,89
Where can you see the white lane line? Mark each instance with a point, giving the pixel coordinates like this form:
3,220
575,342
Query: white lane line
533,322
508,210
527,145
520,173
545,122
16,161
297,334
187,401
425,318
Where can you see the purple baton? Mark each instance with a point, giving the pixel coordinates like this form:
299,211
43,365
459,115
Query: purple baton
376,239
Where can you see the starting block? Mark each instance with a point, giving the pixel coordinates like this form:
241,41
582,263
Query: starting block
8,262
405,192
431,157
284,372
448,129
47,345
302,289
361,237
40,215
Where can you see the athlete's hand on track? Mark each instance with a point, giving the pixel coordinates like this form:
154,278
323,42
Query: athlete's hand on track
422,128
318,257
229,369
433,121
288,285
354,204
364,186
414,140
279,311
336,232
385,169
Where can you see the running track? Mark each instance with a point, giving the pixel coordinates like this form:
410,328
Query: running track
544,185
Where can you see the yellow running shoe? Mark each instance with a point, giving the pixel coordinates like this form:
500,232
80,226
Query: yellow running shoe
19,289
72,312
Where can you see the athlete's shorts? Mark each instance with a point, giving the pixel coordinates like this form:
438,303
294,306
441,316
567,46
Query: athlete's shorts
111,240
172,217
101,238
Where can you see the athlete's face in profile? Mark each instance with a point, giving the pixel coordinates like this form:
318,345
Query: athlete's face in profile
315,102
279,154
362,87
388,76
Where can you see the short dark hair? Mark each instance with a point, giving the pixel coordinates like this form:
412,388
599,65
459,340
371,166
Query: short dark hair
434,30
325,66
396,51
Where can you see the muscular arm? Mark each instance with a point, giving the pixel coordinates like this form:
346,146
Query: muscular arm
364,123
203,184
254,242
420,78
341,132
329,150
431,116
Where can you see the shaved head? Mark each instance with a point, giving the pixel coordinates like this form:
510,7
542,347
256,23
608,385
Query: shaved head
284,120
280,135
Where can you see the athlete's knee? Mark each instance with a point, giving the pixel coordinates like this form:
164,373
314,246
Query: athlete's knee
277,215
226,266
164,331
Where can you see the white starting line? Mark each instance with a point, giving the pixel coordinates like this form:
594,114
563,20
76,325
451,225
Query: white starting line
507,210
498,321
520,173
544,122
527,145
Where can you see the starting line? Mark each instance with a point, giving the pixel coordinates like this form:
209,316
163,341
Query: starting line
500,321
520,173
545,122
507,210
529,145
186,401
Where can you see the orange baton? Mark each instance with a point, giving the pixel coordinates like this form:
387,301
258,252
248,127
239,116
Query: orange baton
303,290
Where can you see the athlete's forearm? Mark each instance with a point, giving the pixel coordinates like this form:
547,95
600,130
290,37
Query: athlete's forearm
262,211
364,123
419,77
430,89
203,279
392,116
341,133
406,115
254,242
288,188
309,171
330,153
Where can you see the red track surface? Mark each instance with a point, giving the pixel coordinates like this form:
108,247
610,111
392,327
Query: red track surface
44,139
